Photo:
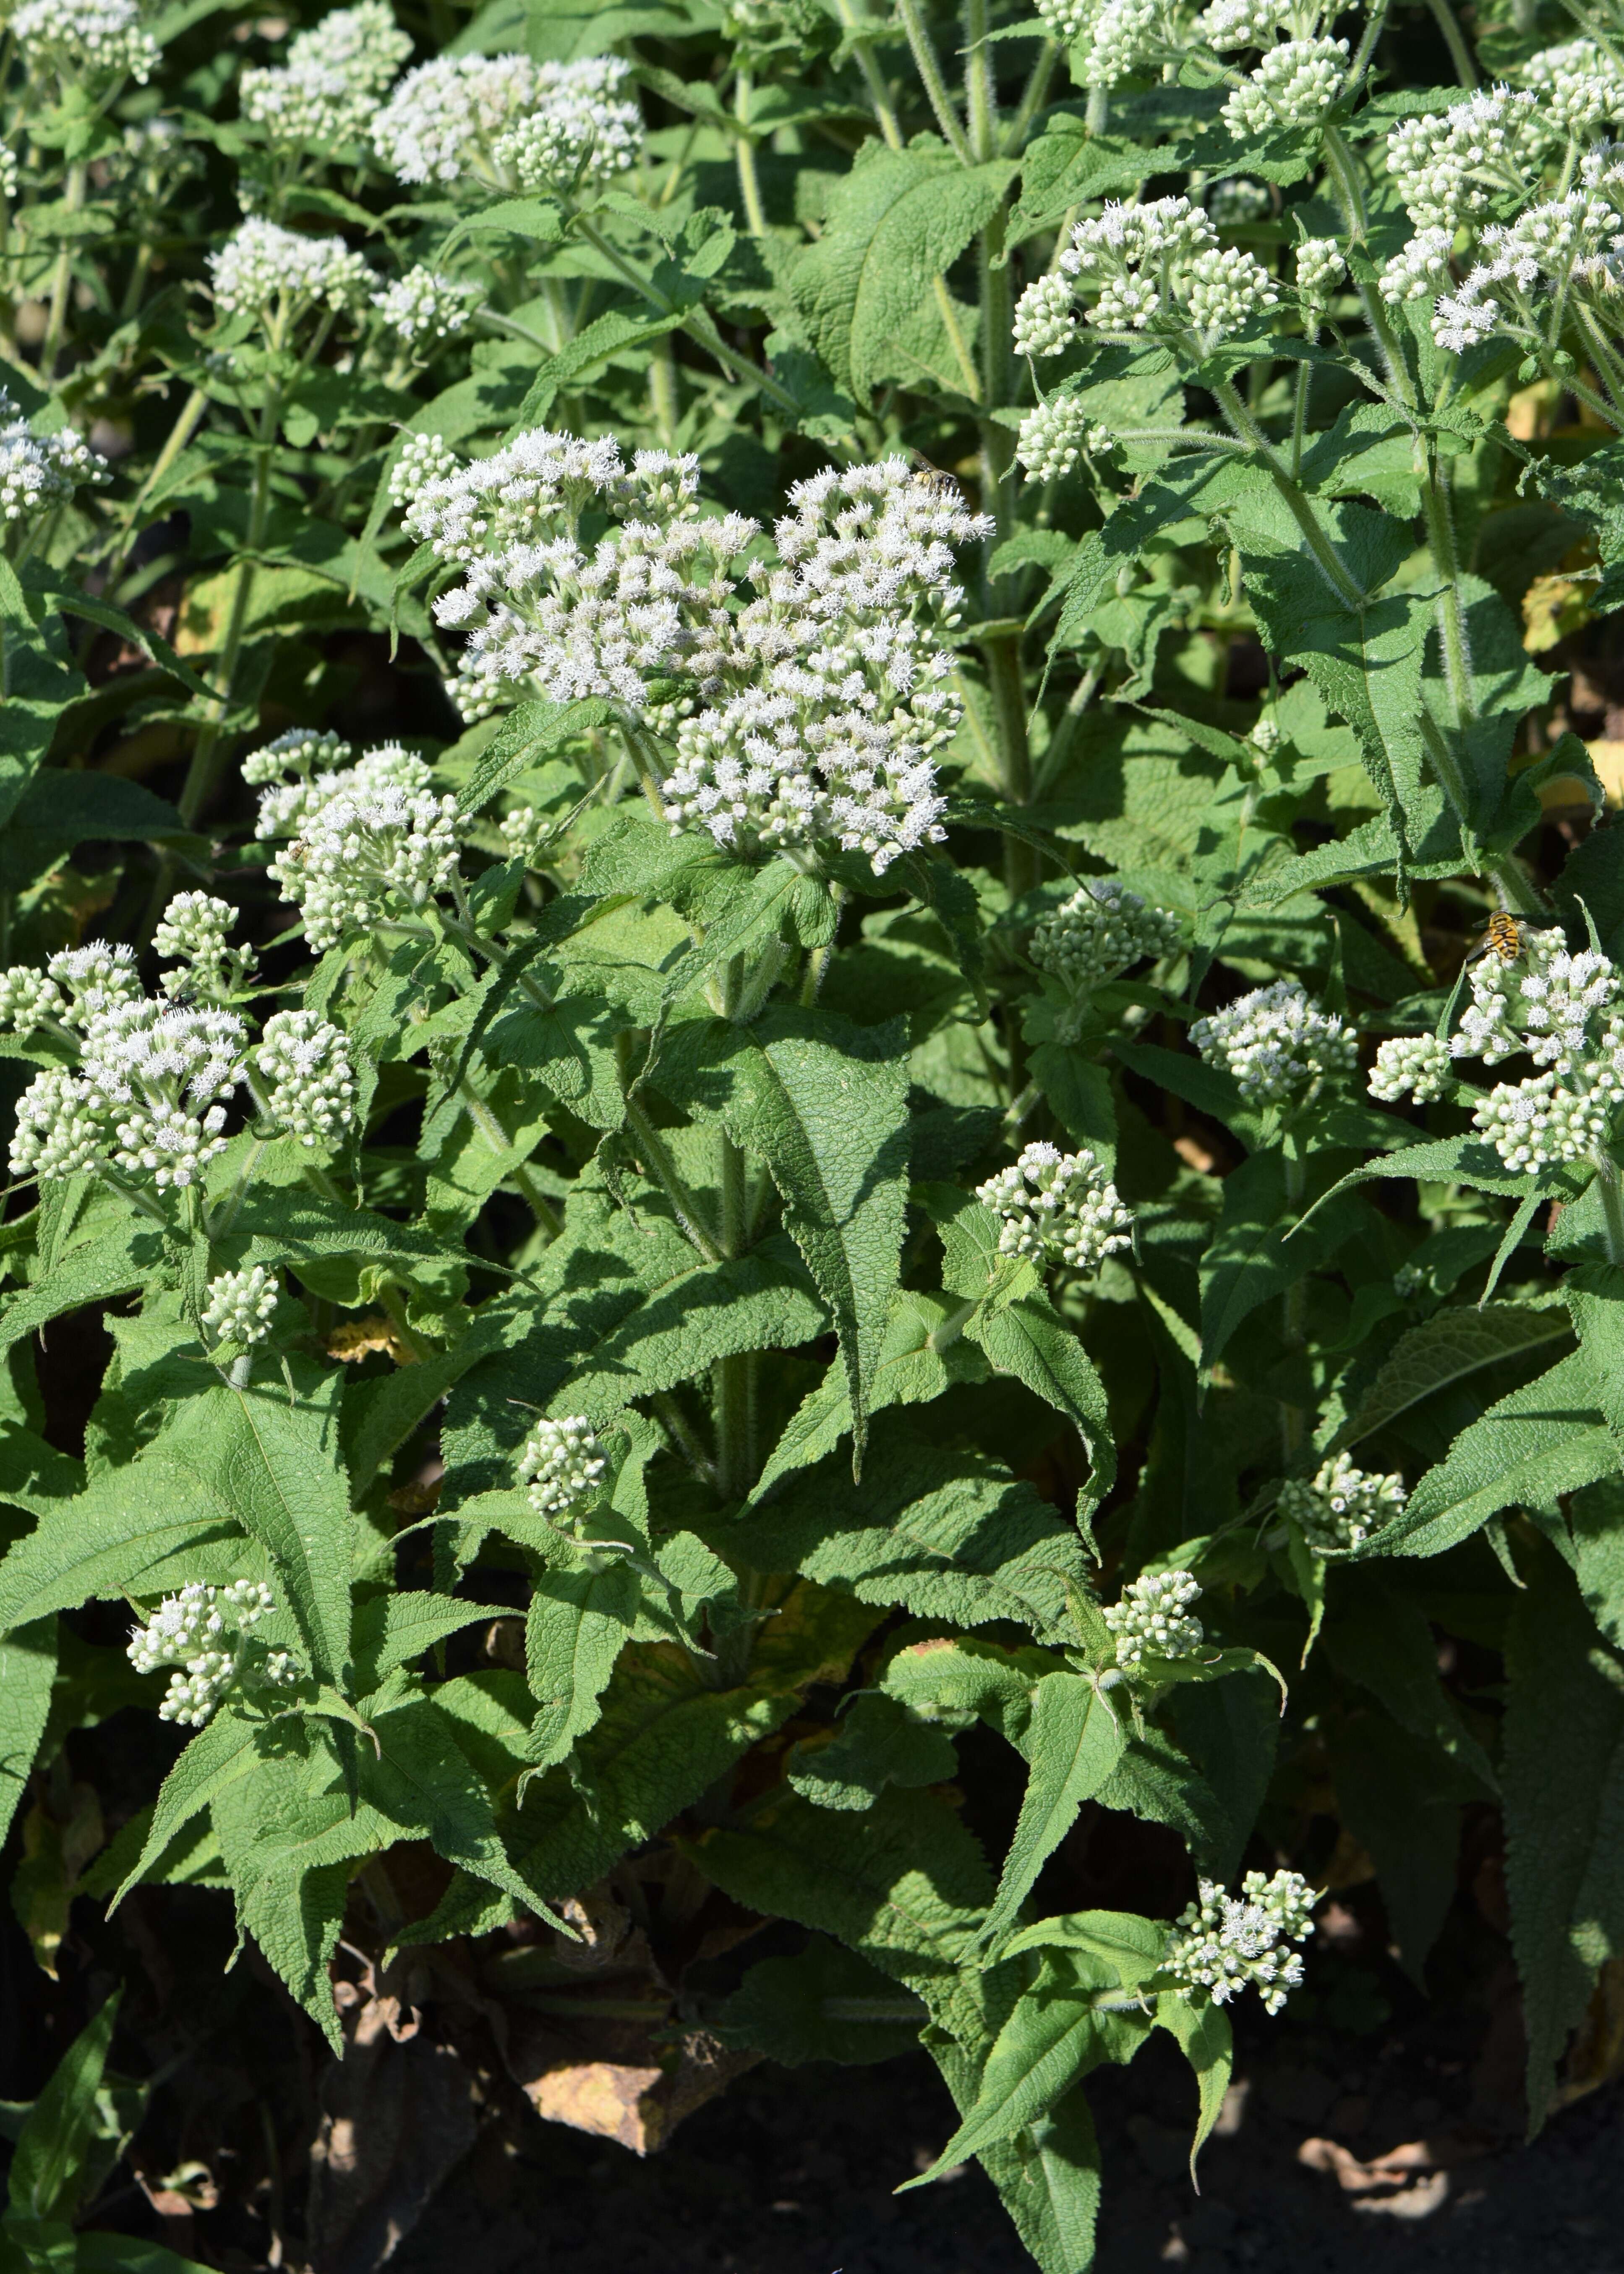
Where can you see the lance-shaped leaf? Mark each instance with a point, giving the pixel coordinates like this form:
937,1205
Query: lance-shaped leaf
111,1264
47,2163
1450,1347
825,1104
28,1669
225,1749
276,1468
1208,2044
1072,1741
125,1534
1563,1780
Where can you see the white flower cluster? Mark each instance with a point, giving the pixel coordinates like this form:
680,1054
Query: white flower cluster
1058,1208
445,119
1295,84
582,130
1233,203
366,840
1223,1943
28,1000
195,933
89,39
1565,1010
303,1062
261,267
1098,931
1319,267
145,1096
422,305
1278,1045
843,676
1411,1066
1150,1619
1343,1505
1053,436
560,1463
38,471
327,93
1155,267
207,1633
649,600
1571,245
241,1306
1416,272
1578,86
1452,166
1125,35
1229,25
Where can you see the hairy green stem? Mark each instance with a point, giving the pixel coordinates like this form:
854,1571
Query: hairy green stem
1294,1303
744,156
657,1161
929,70
73,198
1460,55
1324,553
1611,1205
874,78
206,754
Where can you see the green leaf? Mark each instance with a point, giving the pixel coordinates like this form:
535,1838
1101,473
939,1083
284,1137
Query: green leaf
1380,1638
1072,1741
1028,1339
900,219
116,1538
1209,2044
579,1618
274,1467
1594,1294
110,1265
949,1534
46,2174
227,1747
827,2004
527,736
825,1104
760,1301
878,1743
1450,1347
1403,1803
1530,1446
391,1631
28,1669
1563,1778
1053,2037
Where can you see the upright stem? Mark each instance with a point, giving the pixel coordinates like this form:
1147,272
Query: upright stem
874,78
1455,40
1294,1303
981,90
664,1170
1318,542
930,79
205,758
1451,616
663,400
744,152
73,198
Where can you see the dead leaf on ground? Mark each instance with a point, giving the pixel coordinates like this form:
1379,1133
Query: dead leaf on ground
1409,2181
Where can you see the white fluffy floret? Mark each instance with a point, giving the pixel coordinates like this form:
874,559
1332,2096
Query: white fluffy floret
1551,1118
1319,267
207,1633
445,119
584,129
309,1084
1415,272
1343,1505
1412,1066
241,1306
1295,84
1152,1619
1098,931
38,471
1233,23
423,305
1052,437
1451,166
1278,1045
195,933
90,38
328,91
1578,86
28,1000
1045,318
368,844
1058,1208
1223,1943
157,1075
1158,267
93,978
1127,33
56,1135
561,1463
261,265
1225,290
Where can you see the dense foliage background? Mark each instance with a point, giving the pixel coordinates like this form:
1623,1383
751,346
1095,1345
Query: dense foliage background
767,771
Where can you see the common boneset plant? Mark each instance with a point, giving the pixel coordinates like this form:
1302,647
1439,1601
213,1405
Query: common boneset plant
759,835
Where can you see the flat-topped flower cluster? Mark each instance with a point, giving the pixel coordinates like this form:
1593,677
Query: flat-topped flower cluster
806,719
